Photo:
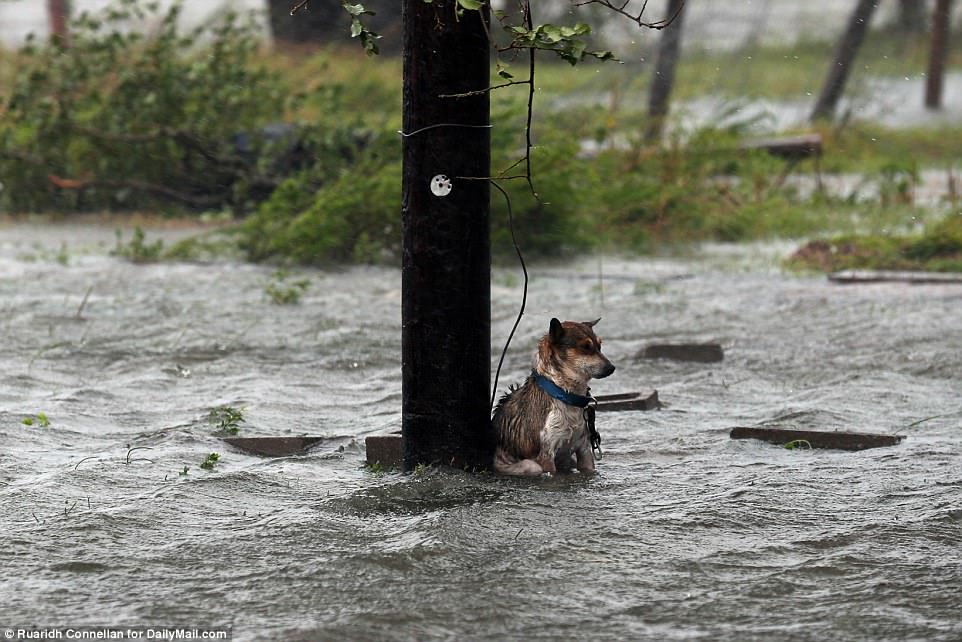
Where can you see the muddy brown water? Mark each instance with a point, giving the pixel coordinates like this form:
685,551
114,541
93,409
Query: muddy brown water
682,534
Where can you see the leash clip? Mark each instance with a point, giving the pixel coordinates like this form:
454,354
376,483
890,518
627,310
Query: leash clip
594,437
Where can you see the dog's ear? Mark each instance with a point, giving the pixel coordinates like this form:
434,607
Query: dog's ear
555,332
591,324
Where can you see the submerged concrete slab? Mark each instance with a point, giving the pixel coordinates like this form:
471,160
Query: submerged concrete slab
789,147
384,450
274,446
628,401
697,352
816,438
849,277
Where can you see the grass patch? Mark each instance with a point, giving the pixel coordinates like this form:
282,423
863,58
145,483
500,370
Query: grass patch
209,462
137,249
226,419
937,249
40,419
284,292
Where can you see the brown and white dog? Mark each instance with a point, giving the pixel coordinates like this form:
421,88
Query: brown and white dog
541,426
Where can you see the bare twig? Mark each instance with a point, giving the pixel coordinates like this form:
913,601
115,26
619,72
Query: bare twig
478,92
300,5
137,448
637,18
527,125
83,460
83,303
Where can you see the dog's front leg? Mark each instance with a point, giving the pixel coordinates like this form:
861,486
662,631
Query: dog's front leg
546,461
586,460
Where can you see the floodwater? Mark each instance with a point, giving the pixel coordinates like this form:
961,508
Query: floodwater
682,533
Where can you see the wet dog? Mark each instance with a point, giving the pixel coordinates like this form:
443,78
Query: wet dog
543,426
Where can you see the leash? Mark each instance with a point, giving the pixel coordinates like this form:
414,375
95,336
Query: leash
524,293
587,404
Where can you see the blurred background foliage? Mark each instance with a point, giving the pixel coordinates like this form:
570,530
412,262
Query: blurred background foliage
297,144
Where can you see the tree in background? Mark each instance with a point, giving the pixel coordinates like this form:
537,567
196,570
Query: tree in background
669,49
938,52
845,52
911,18
58,12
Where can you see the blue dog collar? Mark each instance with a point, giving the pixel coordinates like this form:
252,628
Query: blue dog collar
559,393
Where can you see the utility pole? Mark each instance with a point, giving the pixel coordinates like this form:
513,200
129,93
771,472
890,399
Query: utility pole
446,263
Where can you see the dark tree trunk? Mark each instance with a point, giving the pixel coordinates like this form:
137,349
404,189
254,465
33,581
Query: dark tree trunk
58,14
669,48
845,52
446,262
911,16
938,53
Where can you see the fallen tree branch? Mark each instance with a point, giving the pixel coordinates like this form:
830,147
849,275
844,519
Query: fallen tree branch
134,184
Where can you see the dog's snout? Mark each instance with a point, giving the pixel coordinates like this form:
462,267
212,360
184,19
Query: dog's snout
607,370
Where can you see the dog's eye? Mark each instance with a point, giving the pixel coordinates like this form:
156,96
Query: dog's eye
587,346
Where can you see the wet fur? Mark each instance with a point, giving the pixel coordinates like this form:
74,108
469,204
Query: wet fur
537,433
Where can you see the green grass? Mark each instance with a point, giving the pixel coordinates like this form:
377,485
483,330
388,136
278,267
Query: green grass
40,419
226,419
938,248
209,462
777,72
137,250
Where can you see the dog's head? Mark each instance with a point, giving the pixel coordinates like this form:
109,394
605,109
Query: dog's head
574,350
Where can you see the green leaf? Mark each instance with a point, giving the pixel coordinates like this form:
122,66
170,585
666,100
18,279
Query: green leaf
369,40
580,29
473,5
356,9
602,55
550,32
